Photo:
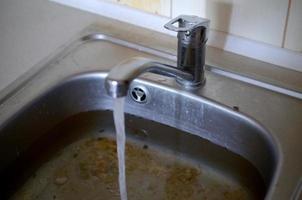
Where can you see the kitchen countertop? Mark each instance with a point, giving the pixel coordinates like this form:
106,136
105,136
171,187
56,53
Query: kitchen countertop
32,30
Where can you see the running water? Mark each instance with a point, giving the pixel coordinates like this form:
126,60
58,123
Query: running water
119,121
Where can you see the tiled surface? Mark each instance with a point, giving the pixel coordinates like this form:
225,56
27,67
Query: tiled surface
188,7
261,20
293,38
41,27
161,7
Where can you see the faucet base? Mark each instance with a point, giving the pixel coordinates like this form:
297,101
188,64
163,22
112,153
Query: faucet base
189,84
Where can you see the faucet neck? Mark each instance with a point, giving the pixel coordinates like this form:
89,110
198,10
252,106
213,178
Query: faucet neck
192,38
191,55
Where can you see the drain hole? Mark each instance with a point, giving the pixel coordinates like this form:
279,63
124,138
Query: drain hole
139,94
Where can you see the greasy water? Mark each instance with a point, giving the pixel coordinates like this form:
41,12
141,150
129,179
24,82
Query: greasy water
119,122
88,170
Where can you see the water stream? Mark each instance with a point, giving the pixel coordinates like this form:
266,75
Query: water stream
119,121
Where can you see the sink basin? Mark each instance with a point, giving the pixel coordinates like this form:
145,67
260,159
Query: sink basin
230,149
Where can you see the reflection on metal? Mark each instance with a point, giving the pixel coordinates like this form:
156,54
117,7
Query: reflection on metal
233,135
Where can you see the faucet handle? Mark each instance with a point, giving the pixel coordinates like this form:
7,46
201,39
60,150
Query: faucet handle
186,23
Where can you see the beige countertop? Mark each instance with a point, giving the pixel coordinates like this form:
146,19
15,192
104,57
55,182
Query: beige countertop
31,30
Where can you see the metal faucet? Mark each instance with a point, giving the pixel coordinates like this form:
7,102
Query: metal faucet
192,38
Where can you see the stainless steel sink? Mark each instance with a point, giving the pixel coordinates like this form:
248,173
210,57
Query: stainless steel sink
227,126
192,126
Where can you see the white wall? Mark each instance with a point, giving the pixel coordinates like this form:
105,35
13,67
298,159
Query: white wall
275,22
267,30
293,37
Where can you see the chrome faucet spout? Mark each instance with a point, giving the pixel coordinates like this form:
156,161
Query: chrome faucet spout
120,77
192,38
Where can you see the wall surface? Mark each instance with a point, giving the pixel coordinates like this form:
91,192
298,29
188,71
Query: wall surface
275,22
293,35
160,7
33,29
266,30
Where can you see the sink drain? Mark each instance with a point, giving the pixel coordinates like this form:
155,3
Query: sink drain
139,94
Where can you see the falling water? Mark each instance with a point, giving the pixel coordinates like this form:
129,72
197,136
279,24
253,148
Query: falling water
119,121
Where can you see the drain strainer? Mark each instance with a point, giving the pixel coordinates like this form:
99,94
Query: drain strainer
139,94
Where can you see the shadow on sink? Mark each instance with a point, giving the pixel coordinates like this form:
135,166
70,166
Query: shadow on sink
225,154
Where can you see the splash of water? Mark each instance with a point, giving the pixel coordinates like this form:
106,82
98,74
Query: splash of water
119,121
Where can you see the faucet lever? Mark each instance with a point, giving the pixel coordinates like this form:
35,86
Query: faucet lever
186,23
